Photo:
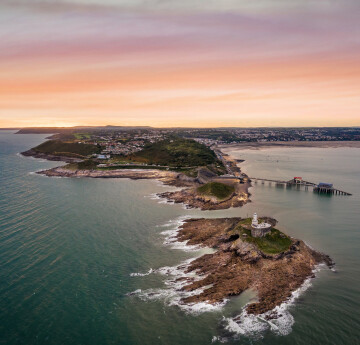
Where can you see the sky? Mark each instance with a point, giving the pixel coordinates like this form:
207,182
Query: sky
188,63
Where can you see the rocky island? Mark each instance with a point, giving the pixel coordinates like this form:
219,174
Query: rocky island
274,265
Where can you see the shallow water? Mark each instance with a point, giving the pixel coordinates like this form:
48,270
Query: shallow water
68,248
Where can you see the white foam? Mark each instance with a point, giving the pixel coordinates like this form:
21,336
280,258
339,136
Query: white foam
173,294
171,236
153,196
142,274
159,199
177,222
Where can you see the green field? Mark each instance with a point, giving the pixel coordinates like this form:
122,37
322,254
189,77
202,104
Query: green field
176,153
81,136
272,243
60,148
218,190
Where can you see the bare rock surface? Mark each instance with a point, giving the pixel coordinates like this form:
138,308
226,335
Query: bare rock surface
238,265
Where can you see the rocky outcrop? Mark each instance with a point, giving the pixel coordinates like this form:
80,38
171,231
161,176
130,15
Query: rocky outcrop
247,251
192,199
50,157
238,265
167,177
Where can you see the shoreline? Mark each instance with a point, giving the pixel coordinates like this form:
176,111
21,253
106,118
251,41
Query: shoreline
287,144
187,196
49,157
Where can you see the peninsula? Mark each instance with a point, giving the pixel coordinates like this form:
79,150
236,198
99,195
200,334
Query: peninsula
172,160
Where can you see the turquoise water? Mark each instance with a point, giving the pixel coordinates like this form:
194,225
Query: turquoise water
68,248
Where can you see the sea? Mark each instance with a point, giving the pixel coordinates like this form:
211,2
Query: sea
95,261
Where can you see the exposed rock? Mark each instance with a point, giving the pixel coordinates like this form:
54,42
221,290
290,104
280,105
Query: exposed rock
192,199
49,157
205,175
238,265
167,177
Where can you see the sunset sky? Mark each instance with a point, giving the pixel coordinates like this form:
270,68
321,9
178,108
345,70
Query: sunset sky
196,63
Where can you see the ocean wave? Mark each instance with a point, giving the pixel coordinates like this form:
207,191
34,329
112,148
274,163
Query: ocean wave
153,196
173,294
142,274
177,222
171,236
159,199
40,160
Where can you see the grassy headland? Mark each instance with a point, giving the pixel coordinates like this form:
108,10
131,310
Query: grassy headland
60,148
176,153
218,190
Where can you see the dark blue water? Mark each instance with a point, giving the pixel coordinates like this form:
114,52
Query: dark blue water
68,248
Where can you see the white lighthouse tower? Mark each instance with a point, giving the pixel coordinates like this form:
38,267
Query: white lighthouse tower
255,221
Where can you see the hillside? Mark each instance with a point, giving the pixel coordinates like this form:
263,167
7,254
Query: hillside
176,153
59,148
218,190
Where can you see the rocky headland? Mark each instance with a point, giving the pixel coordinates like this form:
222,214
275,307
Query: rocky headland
57,158
188,196
193,199
273,266
167,177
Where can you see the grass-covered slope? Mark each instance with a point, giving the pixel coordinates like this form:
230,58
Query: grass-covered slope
215,189
60,148
273,242
176,153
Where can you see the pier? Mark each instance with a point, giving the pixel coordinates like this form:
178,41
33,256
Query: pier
321,188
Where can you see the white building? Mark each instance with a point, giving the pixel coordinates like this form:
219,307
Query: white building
259,229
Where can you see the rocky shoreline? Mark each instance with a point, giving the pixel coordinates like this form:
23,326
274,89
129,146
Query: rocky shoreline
49,157
238,265
192,199
187,196
167,177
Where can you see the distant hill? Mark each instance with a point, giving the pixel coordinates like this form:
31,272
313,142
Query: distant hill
53,130
43,130
176,153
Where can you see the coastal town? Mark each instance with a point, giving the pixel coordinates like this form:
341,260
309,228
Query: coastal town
124,140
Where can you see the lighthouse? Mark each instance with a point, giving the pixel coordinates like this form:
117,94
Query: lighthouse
259,229
255,222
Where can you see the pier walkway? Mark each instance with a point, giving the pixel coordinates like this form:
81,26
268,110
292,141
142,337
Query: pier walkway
318,188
